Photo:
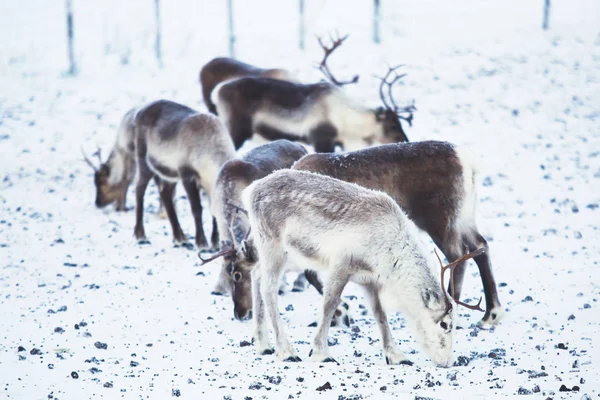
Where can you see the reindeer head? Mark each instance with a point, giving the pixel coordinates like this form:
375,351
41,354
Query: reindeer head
390,114
239,261
436,325
106,192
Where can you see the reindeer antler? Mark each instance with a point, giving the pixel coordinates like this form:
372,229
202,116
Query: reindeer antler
98,154
394,107
451,267
87,160
335,43
231,248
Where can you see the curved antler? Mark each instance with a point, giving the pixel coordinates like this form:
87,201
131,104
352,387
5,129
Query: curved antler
335,43
224,252
230,249
394,106
451,267
87,160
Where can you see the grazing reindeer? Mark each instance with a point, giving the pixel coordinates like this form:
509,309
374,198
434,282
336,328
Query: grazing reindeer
354,234
224,69
173,143
113,177
435,184
235,175
319,114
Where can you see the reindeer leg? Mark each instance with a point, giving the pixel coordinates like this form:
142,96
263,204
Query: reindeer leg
189,179
331,299
214,237
341,316
270,275
300,284
166,195
142,183
393,355
161,208
261,331
323,138
493,309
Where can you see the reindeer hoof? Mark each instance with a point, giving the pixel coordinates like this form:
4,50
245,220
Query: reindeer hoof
143,241
389,361
267,352
491,319
293,359
185,245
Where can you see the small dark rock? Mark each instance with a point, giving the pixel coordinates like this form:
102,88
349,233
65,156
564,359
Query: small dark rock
563,388
313,324
575,388
461,361
535,389
50,366
562,346
20,348
134,364
74,375
357,353
58,329
35,352
523,391
586,306
256,386
245,343
571,317
502,284
300,379
175,393
526,299
325,386
383,388
108,385
101,346
274,380
289,307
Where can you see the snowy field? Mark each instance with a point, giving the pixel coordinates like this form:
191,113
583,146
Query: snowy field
86,312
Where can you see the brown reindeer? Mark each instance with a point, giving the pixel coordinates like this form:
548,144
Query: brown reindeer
176,143
319,114
435,184
224,69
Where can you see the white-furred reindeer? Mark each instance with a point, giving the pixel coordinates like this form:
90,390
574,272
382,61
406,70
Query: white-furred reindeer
352,234
176,143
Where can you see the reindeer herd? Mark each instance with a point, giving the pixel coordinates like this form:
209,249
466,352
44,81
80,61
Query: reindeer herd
335,217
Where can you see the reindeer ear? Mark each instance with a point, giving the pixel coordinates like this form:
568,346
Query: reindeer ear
430,298
247,247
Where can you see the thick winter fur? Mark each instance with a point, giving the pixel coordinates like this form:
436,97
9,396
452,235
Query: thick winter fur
435,184
319,114
352,234
235,175
115,175
224,69
176,143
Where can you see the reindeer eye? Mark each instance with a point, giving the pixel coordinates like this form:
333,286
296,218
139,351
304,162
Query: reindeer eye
443,325
237,276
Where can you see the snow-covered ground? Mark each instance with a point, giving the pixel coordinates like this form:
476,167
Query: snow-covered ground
99,316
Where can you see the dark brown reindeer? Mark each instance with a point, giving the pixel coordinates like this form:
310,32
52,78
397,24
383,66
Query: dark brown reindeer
435,184
319,114
113,176
176,143
224,69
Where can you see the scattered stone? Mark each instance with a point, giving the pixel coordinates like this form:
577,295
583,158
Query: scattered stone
35,352
58,329
50,366
245,343
561,346
175,393
461,361
523,391
536,389
563,388
571,317
256,386
108,385
289,307
325,386
383,388
74,375
134,364
95,370
101,346
586,306
451,375
526,299
535,374
20,349
274,380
